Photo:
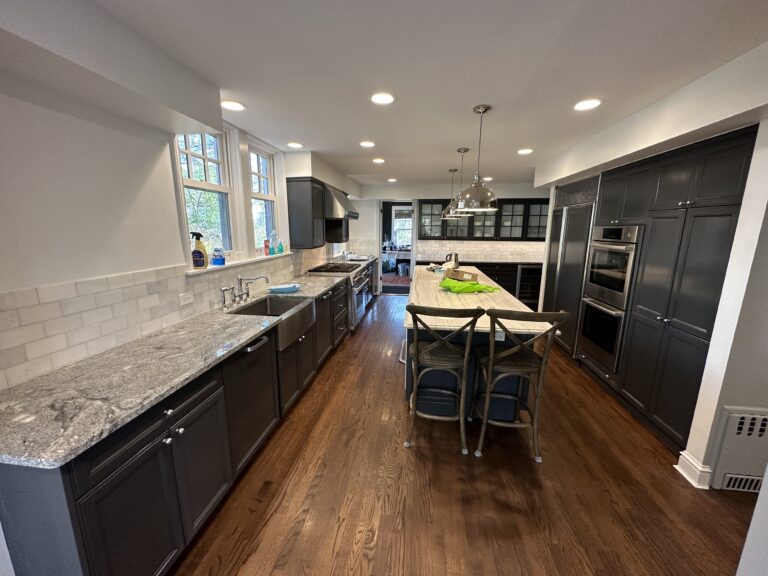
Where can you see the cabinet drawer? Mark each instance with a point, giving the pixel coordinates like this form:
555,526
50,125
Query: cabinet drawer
99,461
340,329
339,305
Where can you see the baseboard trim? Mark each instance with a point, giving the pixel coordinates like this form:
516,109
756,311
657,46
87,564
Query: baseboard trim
699,475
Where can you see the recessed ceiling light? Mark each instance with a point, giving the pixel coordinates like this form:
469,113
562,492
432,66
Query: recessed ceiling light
525,151
590,104
367,144
488,179
232,105
295,145
382,98
391,180
379,160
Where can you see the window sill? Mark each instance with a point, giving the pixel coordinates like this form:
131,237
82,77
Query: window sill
229,265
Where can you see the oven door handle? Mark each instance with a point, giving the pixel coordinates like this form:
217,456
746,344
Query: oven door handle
361,286
595,304
617,247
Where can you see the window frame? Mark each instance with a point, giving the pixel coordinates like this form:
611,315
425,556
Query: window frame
259,148
392,227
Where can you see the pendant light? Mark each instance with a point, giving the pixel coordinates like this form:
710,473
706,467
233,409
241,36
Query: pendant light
448,212
478,197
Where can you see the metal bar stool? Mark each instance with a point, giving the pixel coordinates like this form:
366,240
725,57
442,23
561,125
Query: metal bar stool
441,354
497,363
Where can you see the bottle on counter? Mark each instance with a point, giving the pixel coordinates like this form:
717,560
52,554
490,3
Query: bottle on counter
266,247
273,243
218,257
199,253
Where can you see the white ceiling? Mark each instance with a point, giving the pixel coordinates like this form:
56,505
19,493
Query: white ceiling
306,69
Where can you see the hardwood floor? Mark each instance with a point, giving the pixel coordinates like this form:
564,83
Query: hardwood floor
335,492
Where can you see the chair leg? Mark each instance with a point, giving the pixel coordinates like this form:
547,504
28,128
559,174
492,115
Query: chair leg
408,443
471,414
486,409
535,425
462,402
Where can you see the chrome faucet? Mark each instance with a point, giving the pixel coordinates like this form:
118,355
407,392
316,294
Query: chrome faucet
243,285
344,256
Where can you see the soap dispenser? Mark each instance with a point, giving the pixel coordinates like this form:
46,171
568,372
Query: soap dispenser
199,253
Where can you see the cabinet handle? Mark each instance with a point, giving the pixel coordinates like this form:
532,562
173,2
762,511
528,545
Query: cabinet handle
659,318
167,441
690,202
168,411
667,320
179,431
680,203
259,344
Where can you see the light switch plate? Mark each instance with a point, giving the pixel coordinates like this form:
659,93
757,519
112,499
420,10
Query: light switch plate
186,298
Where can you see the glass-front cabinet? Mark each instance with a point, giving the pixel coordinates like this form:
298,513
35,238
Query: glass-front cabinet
515,219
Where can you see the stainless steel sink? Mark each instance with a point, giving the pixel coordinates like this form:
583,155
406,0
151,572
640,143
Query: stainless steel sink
296,315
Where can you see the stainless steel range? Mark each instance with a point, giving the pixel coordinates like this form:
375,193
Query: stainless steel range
361,286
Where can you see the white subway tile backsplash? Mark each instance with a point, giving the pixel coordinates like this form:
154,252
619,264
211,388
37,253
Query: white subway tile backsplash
39,313
151,326
9,319
12,357
91,286
84,334
79,304
97,315
45,346
120,280
109,297
130,333
113,325
135,292
144,276
69,355
18,299
124,308
148,301
63,324
177,283
101,344
27,370
56,292
22,335
165,273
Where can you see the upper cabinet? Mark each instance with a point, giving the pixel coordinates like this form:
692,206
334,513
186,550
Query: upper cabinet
306,212
516,219
625,195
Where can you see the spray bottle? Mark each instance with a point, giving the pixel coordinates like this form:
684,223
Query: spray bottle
199,253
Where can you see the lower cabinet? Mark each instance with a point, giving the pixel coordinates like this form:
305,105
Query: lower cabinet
661,374
131,522
323,326
137,520
296,368
251,393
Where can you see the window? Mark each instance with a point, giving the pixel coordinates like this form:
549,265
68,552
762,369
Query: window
206,192
262,195
402,226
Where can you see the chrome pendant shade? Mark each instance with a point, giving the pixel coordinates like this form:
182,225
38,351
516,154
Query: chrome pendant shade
448,213
477,197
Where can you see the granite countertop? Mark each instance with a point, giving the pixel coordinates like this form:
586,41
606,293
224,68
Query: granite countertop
49,420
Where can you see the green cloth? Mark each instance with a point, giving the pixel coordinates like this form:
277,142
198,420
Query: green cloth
461,287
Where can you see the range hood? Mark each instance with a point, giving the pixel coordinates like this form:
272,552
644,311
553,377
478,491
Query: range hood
338,206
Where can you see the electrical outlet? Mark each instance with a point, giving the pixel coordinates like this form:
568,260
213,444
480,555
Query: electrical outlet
186,298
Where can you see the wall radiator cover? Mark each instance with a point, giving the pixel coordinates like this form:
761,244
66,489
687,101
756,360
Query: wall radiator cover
743,452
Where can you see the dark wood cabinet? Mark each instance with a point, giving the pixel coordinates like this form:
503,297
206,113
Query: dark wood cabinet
721,173
641,347
430,219
625,195
675,176
251,393
131,522
323,326
296,368
306,212
201,460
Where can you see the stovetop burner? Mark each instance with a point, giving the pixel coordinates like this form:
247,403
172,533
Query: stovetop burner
335,267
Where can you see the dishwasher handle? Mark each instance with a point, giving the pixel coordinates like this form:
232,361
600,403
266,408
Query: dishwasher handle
259,344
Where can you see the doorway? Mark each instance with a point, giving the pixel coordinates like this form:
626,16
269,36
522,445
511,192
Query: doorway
397,242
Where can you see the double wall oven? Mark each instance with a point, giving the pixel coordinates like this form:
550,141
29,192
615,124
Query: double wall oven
610,269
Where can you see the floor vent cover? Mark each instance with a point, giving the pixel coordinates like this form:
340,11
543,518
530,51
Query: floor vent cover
742,483
743,451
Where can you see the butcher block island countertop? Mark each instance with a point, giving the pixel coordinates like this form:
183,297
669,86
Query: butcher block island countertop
425,291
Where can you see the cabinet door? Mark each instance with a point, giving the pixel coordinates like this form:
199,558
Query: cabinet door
570,279
288,377
529,284
700,271
458,229
131,521
722,172
610,199
323,327
678,378
250,391
306,357
656,270
201,460
637,195
484,226
675,176
430,220
640,355
511,220
318,215
553,259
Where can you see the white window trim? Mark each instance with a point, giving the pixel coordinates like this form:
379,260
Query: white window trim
278,194
392,227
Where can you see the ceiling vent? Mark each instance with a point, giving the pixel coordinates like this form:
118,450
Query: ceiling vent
743,450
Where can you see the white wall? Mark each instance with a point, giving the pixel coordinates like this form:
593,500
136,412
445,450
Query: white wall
366,227
299,164
81,199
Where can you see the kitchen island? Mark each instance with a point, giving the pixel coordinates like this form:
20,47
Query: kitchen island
426,291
